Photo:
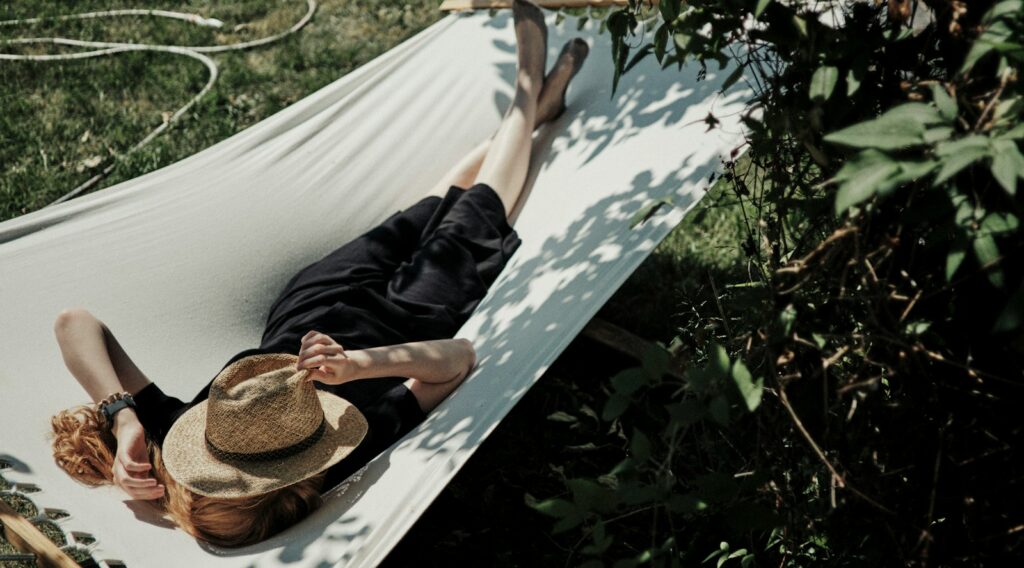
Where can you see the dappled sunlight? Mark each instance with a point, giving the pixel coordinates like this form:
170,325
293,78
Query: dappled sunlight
267,202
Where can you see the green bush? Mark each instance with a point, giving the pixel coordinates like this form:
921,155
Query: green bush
853,400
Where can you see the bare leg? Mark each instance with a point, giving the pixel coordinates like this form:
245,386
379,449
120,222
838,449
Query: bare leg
505,166
550,105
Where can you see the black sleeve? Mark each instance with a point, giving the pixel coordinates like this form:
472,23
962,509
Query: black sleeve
157,411
393,415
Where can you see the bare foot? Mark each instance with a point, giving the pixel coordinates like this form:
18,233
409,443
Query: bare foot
552,97
531,41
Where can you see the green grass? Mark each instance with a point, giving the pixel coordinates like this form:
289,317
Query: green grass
63,121
20,504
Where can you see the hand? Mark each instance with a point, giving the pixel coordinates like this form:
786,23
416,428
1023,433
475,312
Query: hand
327,360
131,463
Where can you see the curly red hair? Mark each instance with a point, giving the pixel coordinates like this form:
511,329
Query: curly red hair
85,450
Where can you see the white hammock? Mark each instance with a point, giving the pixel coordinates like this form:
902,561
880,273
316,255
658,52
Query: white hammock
184,262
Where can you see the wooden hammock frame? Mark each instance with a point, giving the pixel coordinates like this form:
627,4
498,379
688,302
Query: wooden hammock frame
462,5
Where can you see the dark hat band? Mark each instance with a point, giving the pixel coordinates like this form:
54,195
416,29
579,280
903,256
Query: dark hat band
287,451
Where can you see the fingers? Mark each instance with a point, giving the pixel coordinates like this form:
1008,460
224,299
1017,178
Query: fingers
316,337
316,350
125,478
319,360
136,487
320,349
133,466
324,374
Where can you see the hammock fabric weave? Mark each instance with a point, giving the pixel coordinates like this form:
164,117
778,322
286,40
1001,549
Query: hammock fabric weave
183,263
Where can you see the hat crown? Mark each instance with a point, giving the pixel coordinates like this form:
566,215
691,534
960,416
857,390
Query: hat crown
261,405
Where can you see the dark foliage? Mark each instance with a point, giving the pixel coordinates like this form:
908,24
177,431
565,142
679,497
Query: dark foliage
855,400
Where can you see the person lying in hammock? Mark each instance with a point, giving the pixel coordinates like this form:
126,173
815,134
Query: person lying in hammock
357,348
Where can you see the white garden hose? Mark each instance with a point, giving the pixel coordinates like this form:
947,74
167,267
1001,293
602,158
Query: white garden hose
101,48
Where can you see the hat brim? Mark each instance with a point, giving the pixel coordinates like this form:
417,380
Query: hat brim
191,464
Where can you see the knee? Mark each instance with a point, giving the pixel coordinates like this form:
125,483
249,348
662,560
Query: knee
71,317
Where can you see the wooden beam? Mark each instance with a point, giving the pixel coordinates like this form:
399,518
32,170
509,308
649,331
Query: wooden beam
624,342
461,5
27,538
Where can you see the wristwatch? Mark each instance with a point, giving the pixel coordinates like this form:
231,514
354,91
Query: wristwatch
114,404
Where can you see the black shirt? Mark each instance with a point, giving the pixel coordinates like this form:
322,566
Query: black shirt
417,276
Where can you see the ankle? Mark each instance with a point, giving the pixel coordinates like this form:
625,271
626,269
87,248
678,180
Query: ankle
529,82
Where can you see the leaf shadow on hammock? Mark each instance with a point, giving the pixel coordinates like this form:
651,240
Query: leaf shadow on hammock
543,297
606,118
576,259
14,464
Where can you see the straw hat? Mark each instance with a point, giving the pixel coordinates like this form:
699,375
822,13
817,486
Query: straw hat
262,428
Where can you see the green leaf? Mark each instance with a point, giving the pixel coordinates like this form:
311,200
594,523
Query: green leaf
954,258
648,211
719,410
554,507
978,50
987,252
1013,313
699,379
682,41
909,171
628,381
669,10
1014,133
750,389
660,40
863,176
638,57
640,446
852,82
618,23
718,364
819,340
567,523
614,407
1007,165
823,82
590,496
655,360
560,416
999,222
937,134
953,147
916,327
1001,9
891,131
945,103
761,5
785,320
959,154
925,114
801,25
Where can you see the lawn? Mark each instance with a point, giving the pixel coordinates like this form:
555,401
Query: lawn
63,122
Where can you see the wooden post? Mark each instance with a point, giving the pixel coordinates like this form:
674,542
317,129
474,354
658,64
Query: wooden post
625,342
460,5
27,538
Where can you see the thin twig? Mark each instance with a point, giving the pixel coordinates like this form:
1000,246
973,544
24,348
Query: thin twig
840,480
725,320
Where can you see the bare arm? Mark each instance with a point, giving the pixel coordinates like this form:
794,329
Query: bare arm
94,357
435,368
101,366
